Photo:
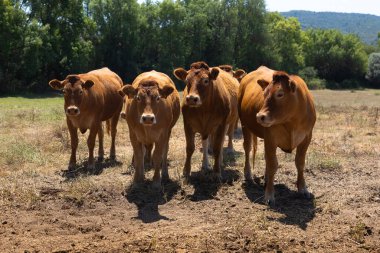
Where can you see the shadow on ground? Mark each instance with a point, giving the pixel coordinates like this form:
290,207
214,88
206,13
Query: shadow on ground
147,199
297,209
206,184
82,169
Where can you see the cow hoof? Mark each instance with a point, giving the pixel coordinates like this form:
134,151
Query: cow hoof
269,200
71,167
230,151
91,166
100,158
217,177
305,193
113,157
248,177
165,177
205,167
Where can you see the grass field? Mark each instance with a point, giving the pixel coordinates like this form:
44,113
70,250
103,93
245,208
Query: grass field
46,209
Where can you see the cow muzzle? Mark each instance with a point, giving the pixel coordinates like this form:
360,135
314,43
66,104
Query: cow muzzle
72,110
264,119
148,119
193,100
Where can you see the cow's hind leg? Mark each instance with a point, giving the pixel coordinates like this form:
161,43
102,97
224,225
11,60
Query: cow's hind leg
300,164
230,132
114,121
101,147
165,173
158,154
247,144
138,159
205,163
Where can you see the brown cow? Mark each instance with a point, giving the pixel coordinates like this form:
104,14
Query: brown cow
152,109
209,106
279,108
91,98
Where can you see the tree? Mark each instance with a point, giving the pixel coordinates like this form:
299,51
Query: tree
373,73
286,42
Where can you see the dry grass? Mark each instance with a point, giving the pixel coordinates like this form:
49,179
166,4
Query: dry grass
45,208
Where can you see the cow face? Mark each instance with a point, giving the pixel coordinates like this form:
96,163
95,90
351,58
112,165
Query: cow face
74,90
279,100
147,97
199,81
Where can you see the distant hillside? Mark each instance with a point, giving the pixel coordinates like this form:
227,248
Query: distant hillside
366,26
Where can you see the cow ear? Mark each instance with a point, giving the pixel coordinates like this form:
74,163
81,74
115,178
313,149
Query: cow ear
180,74
292,85
88,84
128,90
166,91
263,83
214,73
240,73
56,84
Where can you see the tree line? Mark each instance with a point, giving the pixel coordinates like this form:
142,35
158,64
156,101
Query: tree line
45,39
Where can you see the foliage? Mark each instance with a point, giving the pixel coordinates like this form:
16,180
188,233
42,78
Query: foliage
373,73
41,40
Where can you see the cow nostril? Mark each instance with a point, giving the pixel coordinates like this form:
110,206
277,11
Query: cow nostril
76,110
195,99
262,118
187,98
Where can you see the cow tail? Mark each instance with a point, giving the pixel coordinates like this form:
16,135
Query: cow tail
108,126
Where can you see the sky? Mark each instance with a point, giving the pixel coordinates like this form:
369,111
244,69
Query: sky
355,6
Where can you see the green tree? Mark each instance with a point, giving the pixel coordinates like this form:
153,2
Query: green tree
286,42
373,73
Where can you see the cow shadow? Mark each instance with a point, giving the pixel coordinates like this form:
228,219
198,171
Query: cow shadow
147,199
230,158
297,210
81,170
206,185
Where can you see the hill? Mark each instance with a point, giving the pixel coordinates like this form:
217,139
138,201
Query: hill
366,26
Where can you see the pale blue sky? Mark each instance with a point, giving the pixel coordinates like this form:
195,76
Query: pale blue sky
355,6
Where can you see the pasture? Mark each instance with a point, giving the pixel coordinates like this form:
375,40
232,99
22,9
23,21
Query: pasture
44,208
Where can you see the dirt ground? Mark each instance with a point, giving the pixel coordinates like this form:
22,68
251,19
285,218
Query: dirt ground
45,208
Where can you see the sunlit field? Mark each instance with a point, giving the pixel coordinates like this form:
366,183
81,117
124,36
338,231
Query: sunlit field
45,208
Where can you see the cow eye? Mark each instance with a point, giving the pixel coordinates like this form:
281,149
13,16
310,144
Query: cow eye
138,98
158,98
280,95
205,81
80,92
63,91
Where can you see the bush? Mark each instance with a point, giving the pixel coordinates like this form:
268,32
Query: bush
316,84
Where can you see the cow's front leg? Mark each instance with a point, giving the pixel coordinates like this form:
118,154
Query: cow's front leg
159,150
74,144
91,145
138,158
190,147
218,149
270,169
300,164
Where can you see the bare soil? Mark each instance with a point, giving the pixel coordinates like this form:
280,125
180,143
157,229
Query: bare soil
45,208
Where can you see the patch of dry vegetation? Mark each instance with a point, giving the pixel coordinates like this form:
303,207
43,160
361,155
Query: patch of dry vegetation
46,208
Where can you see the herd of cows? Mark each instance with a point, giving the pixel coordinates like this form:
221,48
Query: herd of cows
271,105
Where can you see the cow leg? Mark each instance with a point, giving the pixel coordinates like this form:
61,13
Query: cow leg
300,164
270,168
190,147
205,163
74,144
247,144
218,149
101,138
114,121
164,172
230,132
210,143
148,154
91,145
159,151
138,159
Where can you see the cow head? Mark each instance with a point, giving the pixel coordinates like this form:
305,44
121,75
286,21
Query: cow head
74,90
280,100
147,96
199,81
238,74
